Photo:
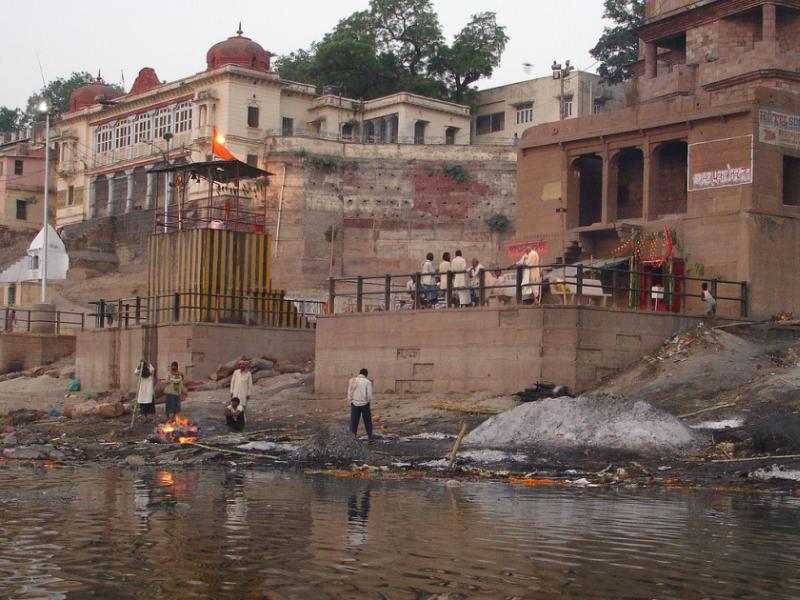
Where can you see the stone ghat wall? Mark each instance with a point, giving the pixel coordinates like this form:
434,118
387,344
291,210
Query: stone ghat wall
388,205
19,351
106,358
500,350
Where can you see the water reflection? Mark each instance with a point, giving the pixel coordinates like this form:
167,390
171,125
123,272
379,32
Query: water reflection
231,533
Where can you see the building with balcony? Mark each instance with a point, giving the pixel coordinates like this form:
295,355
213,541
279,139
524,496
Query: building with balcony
710,150
503,113
109,142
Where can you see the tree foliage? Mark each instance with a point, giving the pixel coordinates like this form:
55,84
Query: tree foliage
397,45
618,47
56,93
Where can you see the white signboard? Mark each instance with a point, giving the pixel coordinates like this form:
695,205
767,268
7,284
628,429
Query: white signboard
779,128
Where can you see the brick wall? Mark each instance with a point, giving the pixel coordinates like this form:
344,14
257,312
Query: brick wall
389,205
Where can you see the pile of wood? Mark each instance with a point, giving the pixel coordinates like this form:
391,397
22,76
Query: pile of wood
93,408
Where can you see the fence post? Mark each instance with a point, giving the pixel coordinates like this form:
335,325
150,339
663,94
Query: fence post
83,321
714,285
29,321
119,313
138,309
176,307
247,309
482,287
743,297
360,294
449,290
387,293
417,291
579,285
58,322
101,314
683,294
518,284
127,315
331,295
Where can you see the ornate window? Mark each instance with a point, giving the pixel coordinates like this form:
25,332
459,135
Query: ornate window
104,138
183,117
141,128
122,134
163,121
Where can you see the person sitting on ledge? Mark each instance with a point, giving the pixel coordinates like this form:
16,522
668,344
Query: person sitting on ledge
234,415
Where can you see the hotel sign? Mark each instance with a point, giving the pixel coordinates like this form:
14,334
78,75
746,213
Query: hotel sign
720,163
779,128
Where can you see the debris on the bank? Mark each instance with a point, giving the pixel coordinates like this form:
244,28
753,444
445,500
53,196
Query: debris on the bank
433,435
480,457
24,415
775,472
597,420
266,446
719,425
464,408
680,345
542,390
93,408
784,318
332,442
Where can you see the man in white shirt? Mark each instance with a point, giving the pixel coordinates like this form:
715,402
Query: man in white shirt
475,280
460,283
427,280
359,395
242,382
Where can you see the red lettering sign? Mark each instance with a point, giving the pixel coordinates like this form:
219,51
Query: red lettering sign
517,249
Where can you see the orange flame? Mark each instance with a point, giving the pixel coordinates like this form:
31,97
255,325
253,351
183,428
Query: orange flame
181,426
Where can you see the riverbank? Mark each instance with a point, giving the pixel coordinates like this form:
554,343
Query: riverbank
739,390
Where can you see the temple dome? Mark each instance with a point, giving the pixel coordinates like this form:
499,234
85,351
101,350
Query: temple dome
240,51
91,93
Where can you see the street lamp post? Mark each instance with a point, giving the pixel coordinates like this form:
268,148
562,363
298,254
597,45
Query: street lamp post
45,220
561,73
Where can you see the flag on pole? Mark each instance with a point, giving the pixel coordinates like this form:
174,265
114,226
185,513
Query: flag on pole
668,240
218,147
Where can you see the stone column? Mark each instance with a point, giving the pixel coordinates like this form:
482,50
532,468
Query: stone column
167,189
110,201
648,178
609,202
129,194
650,60
151,184
92,197
769,26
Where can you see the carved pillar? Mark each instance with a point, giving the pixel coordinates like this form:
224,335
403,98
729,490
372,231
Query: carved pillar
151,184
129,194
769,23
92,197
648,180
650,60
110,201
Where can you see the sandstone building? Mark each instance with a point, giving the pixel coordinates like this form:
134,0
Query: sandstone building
711,149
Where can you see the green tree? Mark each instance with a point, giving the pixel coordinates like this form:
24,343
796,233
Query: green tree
56,93
475,52
409,29
9,118
618,47
397,45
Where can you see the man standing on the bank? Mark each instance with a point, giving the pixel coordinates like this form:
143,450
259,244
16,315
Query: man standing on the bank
173,391
359,395
242,382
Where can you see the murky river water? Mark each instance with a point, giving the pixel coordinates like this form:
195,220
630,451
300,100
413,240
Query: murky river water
215,533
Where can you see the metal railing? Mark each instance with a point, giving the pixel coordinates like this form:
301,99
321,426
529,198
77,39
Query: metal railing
197,215
574,284
266,309
16,320
366,140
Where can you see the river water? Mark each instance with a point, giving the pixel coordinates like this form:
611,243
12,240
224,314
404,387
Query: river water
230,533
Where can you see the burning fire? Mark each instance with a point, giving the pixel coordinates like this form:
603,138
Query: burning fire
179,430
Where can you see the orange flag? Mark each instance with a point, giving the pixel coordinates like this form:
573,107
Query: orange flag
218,147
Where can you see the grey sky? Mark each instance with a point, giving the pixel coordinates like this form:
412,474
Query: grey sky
172,36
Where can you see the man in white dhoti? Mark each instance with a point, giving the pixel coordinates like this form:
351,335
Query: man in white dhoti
531,275
242,383
460,282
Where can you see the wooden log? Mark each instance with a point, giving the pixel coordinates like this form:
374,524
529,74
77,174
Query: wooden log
460,437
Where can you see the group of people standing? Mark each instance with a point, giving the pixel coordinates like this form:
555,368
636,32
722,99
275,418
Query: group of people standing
174,388
465,283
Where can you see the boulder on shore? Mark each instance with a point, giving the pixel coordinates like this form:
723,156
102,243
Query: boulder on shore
599,420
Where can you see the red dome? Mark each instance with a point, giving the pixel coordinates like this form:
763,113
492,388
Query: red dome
238,50
91,93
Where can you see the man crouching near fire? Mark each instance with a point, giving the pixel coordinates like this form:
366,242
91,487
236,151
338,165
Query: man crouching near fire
234,415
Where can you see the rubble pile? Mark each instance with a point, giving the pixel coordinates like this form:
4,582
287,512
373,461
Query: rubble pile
681,345
600,420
